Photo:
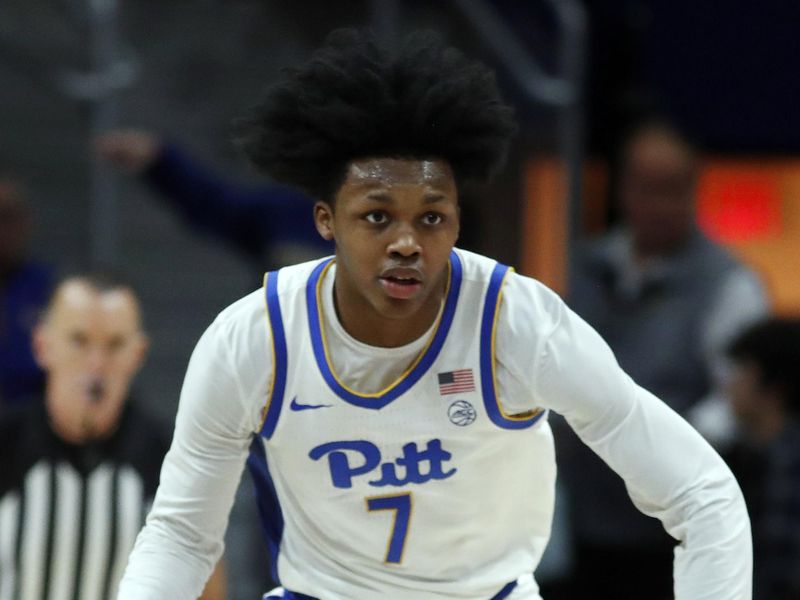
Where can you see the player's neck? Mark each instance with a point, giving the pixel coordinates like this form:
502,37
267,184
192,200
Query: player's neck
361,321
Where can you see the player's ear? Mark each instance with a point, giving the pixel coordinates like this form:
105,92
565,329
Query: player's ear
323,219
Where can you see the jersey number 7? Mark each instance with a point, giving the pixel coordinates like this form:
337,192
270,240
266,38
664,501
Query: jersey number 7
402,504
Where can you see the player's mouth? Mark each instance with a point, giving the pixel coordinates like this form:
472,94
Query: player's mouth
401,283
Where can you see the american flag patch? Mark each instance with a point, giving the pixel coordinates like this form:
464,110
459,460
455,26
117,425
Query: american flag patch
455,382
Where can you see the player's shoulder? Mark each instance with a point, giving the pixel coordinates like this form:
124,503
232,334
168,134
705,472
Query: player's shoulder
287,280
521,292
241,315
473,267
241,324
529,312
532,292
292,278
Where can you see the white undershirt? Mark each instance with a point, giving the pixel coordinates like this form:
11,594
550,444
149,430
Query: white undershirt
364,368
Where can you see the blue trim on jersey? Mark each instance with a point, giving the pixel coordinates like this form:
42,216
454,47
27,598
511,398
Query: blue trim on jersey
505,592
488,320
377,402
269,508
279,354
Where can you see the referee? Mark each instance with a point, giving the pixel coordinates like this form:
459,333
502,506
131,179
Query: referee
79,469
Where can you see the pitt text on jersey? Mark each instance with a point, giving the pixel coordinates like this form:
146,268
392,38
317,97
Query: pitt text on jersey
349,459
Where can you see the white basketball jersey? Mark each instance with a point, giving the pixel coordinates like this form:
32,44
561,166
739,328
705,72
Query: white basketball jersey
424,490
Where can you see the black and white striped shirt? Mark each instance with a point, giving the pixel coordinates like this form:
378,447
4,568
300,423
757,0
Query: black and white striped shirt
69,514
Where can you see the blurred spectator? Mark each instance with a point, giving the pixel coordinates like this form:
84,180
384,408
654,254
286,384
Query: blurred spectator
764,391
667,300
24,287
270,224
81,467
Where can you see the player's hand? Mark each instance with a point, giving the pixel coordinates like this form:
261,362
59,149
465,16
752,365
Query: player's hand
131,150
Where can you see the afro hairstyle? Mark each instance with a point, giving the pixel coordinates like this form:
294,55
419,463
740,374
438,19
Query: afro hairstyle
354,99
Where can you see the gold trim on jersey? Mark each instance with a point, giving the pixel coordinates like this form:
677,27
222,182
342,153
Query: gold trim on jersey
406,372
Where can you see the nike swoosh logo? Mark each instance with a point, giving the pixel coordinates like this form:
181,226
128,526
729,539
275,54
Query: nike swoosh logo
295,405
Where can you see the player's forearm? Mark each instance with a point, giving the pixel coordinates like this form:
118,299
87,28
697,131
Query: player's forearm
714,560
672,474
707,514
670,471
178,547
158,568
182,540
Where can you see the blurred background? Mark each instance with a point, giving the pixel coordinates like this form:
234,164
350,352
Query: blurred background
579,74
187,68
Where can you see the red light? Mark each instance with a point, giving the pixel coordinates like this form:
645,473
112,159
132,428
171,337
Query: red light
735,207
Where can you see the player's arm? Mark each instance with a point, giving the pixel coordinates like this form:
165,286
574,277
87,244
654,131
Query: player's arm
219,410
670,472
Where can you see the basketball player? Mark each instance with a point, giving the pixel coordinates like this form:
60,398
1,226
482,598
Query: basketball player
393,399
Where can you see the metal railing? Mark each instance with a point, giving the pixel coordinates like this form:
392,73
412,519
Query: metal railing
562,91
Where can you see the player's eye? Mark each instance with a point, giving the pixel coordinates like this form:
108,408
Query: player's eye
432,218
377,217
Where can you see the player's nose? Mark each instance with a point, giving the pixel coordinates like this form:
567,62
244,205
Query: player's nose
404,243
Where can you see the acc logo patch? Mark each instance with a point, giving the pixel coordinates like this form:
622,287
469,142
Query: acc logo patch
462,413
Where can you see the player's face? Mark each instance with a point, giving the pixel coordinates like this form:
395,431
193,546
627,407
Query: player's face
395,222
90,346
